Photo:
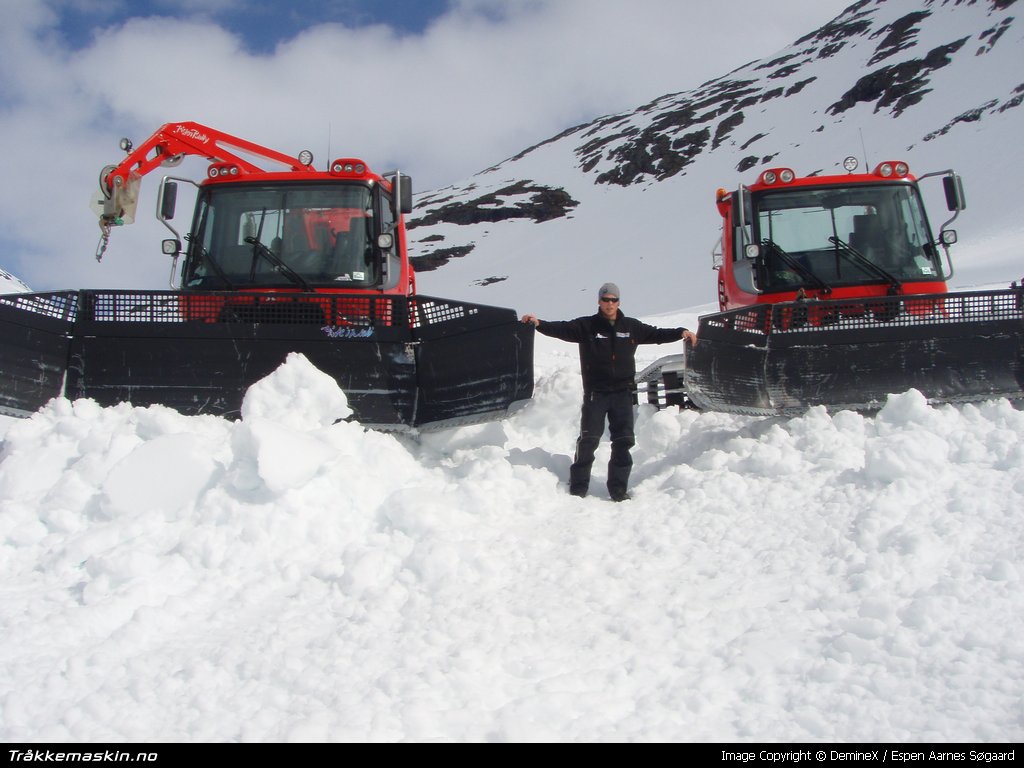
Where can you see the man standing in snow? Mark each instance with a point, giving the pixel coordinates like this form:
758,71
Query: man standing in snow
607,342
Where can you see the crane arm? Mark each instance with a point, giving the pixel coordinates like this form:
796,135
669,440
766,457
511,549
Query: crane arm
174,140
120,183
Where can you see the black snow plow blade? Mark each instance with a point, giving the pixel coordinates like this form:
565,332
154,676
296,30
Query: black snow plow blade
403,363
782,359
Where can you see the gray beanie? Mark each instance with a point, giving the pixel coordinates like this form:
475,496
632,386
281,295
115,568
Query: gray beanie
609,289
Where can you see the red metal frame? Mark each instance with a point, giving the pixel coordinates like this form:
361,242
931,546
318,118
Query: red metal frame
732,296
229,165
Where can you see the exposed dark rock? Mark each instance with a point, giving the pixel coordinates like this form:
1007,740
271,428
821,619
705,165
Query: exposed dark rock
746,163
898,86
993,35
845,26
655,154
432,239
797,87
752,139
784,71
528,150
436,199
676,134
827,51
543,204
438,258
489,280
433,200
900,35
778,61
1015,101
970,116
726,127
590,153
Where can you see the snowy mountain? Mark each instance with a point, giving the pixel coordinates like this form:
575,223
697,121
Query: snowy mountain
11,284
629,197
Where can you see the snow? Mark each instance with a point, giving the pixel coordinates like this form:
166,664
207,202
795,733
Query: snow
11,284
287,577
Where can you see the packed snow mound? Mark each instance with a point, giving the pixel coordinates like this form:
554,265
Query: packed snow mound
297,394
290,578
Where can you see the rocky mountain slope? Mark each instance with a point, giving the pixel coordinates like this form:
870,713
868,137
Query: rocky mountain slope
628,197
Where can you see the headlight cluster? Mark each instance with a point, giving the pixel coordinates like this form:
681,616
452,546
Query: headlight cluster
778,175
348,167
222,169
892,169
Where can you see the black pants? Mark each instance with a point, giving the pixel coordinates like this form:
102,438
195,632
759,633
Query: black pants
618,408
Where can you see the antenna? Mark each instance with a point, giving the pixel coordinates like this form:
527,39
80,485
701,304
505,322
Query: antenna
865,148
328,144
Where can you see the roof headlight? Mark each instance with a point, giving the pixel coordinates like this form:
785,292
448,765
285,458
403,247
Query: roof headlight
306,157
769,177
885,169
902,169
786,175
850,164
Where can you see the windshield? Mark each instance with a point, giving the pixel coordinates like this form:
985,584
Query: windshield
283,235
885,223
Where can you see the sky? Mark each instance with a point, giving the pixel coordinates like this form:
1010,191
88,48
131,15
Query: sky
262,24
441,88
829,577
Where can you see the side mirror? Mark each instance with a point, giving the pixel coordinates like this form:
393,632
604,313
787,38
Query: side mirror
948,236
168,201
401,194
954,188
171,247
752,251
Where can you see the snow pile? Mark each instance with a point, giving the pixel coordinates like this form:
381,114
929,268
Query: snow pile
289,577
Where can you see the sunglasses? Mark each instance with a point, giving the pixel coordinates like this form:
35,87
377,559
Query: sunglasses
612,299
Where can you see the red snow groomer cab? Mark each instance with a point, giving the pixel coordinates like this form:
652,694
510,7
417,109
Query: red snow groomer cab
280,257
833,292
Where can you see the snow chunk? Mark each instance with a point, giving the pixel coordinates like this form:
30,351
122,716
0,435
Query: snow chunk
281,457
141,481
297,395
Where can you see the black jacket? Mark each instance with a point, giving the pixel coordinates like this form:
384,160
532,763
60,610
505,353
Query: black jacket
607,352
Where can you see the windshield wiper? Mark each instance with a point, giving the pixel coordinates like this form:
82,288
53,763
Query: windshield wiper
895,286
796,266
273,258
216,268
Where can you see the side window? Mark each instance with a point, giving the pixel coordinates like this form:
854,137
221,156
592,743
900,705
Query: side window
387,218
743,234
390,263
196,268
